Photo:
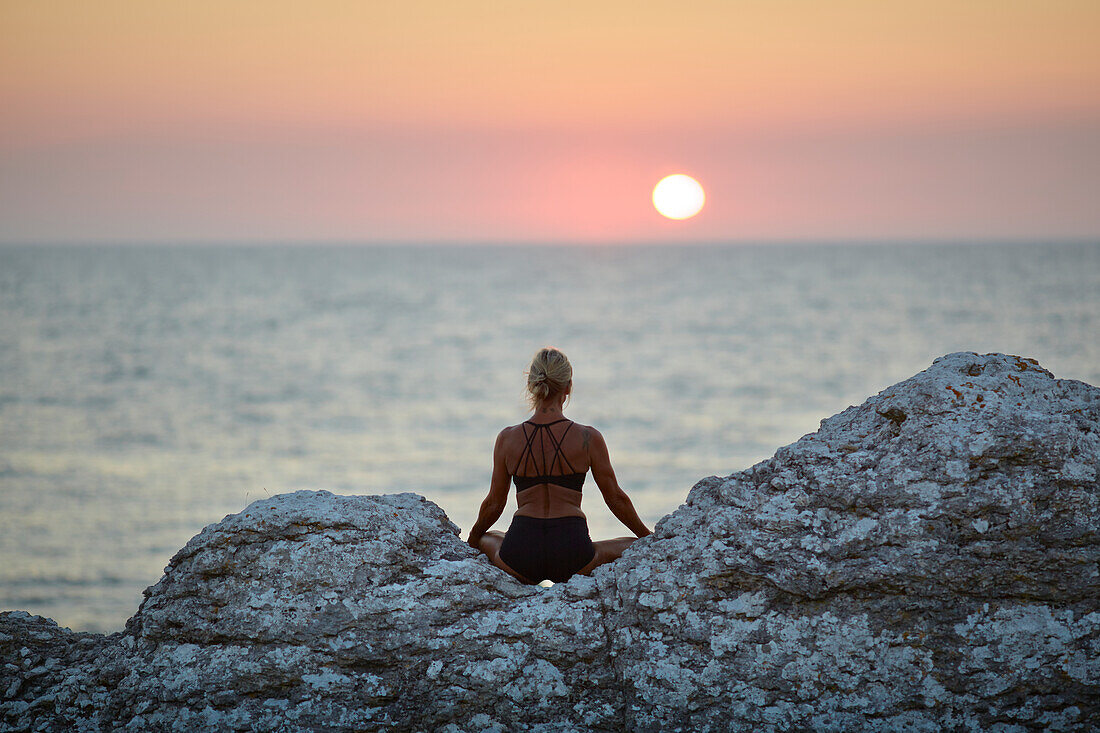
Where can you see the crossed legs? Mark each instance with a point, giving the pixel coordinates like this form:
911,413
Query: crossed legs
606,551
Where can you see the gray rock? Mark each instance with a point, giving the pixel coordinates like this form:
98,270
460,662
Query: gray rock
928,560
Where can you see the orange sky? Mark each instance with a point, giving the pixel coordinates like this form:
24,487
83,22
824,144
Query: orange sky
548,121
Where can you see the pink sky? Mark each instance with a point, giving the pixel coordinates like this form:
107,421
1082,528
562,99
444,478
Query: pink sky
511,120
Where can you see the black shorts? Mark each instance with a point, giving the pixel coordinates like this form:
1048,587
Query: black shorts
547,549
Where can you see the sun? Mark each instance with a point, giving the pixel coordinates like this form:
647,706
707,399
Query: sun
678,196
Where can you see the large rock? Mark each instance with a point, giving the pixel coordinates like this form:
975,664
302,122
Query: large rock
925,561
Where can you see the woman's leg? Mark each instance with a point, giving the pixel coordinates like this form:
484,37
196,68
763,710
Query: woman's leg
606,551
490,543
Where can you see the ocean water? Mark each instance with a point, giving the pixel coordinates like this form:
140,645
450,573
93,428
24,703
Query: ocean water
148,391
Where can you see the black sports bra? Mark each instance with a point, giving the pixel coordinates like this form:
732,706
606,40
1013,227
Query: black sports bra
528,461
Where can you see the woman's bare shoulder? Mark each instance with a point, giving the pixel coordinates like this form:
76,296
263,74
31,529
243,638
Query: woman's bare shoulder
510,433
588,434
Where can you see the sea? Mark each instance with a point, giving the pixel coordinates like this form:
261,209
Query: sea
149,390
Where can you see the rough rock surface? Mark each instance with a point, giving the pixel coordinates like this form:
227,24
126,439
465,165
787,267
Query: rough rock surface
928,560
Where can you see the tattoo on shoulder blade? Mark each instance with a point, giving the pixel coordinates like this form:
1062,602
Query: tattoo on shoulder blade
586,435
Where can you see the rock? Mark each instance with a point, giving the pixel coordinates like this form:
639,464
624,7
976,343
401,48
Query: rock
925,561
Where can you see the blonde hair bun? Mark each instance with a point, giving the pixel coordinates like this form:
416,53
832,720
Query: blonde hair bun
548,376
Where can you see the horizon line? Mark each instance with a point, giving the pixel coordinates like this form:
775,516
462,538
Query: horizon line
585,243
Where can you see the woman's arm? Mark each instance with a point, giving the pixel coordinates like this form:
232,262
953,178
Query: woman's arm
497,499
617,500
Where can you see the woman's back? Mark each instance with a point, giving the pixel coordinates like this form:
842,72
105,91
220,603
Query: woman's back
547,459
548,462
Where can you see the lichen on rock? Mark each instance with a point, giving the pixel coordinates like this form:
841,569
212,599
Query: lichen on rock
927,560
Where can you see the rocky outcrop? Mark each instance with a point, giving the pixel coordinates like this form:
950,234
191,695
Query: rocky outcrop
928,560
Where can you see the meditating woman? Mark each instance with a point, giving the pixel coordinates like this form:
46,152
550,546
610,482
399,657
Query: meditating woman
547,458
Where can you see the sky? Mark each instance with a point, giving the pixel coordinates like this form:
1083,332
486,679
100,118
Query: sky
518,121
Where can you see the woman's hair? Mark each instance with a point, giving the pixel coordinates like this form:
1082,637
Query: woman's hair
548,376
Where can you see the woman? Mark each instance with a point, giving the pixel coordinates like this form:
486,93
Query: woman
547,458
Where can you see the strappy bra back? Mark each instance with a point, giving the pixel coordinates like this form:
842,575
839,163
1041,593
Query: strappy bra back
537,436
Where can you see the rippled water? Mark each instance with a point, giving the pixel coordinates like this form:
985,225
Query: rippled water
148,391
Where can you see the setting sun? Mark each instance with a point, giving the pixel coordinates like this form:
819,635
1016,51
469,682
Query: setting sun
678,196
